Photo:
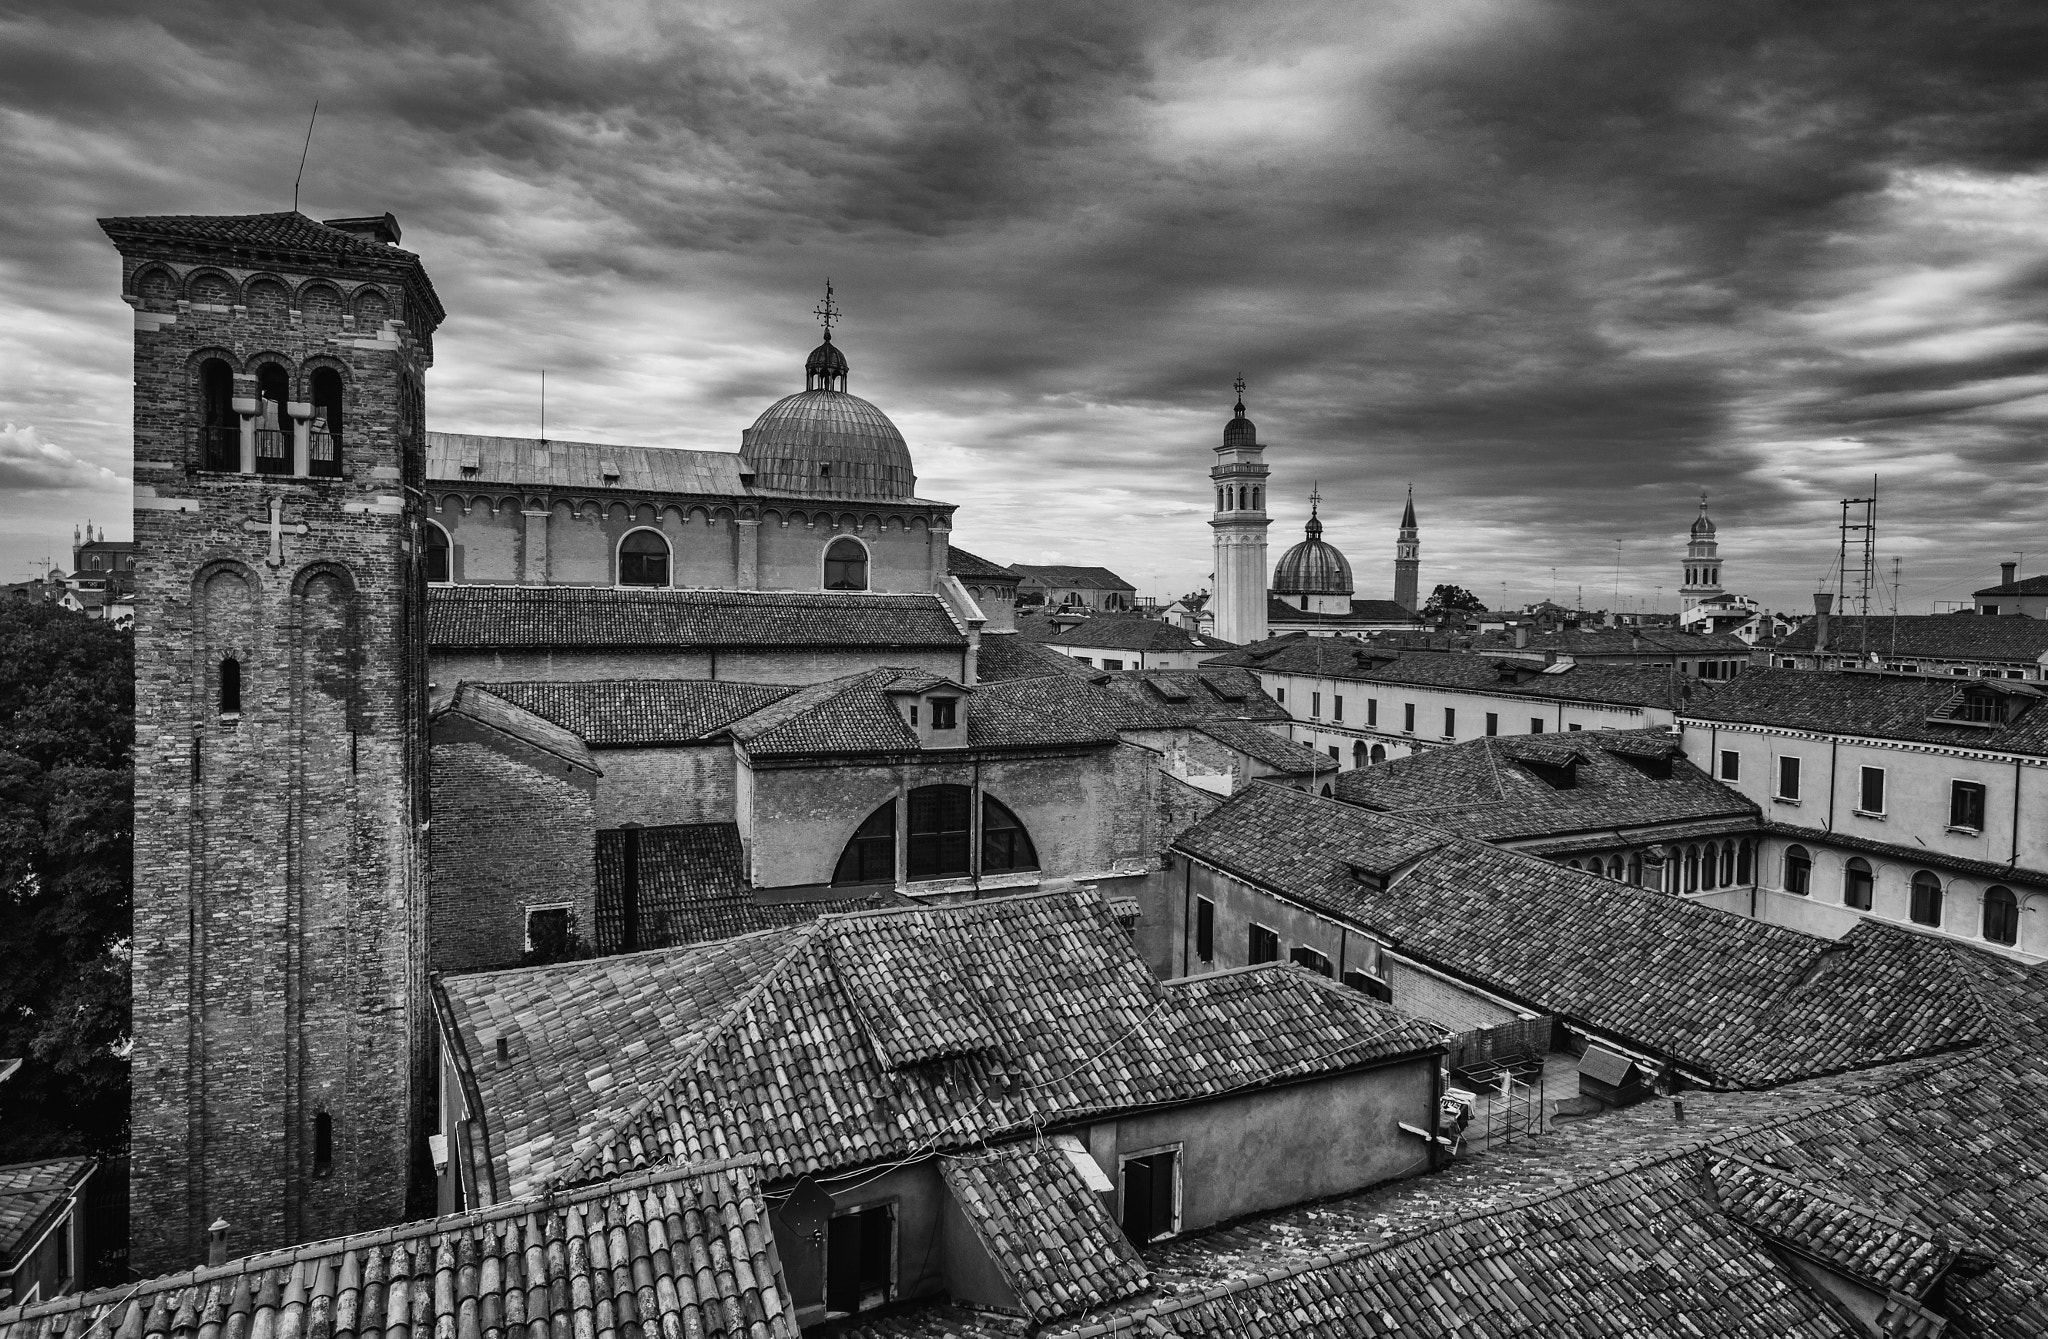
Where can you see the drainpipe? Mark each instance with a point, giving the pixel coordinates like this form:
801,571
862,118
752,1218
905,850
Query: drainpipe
2014,862
1834,746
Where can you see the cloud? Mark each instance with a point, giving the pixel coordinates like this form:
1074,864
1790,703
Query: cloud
31,464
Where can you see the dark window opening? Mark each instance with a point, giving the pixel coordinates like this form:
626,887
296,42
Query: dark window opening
940,821
1205,929
1798,870
1450,722
324,441
643,559
1314,961
1742,863
846,565
1492,722
1372,711
273,424
220,432
548,936
1731,765
230,687
1535,725
1926,899
1264,946
1005,845
1149,1197
870,857
1871,793
437,563
1371,985
323,1144
860,1259
1966,805
1788,778
945,713
1337,707
1408,717
2001,916
1358,754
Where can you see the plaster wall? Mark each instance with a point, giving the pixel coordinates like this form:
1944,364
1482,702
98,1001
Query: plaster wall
1170,898
1823,910
800,1227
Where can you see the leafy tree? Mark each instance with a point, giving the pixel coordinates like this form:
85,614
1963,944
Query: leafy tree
1447,601
67,788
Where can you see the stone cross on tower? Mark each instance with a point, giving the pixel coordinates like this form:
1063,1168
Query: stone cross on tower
278,530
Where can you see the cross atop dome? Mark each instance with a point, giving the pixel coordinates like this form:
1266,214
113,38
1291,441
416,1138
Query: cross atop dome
1238,385
827,311
826,369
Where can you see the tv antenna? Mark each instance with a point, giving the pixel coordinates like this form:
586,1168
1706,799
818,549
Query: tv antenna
303,151
1857,554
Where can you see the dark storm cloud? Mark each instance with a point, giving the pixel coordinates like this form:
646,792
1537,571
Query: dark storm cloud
1559,265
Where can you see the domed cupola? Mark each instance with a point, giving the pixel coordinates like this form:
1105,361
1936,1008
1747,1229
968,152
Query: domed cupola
1312,567
825,442
1703,526
1240,431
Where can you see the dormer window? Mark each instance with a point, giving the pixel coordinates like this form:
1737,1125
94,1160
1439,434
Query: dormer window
945,713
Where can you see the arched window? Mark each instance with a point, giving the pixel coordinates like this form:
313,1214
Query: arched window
1571,864
1710,864
1743,860
1256,504
1857,883
274,426
1240,499
1358,754
1005,845
1692,868
1326,790
220,433
230,687
1635,869
325,438
643,559
437,564
1304,601
2001,915
940,823
1727,863
846,565
1926,899
1798,870
1379,753
870,855
1222,500
1614,868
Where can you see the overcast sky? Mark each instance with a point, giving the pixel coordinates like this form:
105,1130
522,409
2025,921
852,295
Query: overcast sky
1561,266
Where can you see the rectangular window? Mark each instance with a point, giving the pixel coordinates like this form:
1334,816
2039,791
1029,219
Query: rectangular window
1337,707
860,1259
1265,946
1788,778
1731,765
547,932
1205,929
1966,805
1279,694
945,713
1450,722
323,1144
1370,985
1871,794
1573,726
1151,1193
1492,723
1109,664
1334,755
1085,660
1535,725
1408,717
1315,704
1372,711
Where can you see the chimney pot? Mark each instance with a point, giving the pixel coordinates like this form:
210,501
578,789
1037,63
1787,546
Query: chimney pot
217,1242
2008,573
1823,603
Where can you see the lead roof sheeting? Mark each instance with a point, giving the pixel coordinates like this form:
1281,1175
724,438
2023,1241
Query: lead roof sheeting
507,617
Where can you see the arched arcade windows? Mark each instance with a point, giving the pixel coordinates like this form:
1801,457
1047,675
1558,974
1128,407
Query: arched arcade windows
846,564
940,844
1926,909
220,435
643,559
2001,915
1798,870
273,424
1857,883
325,436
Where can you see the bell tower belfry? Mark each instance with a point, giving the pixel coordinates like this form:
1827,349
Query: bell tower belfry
1702,561
1240,523
1408,559
280,794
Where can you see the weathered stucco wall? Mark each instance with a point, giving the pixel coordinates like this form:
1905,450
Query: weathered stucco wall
691,783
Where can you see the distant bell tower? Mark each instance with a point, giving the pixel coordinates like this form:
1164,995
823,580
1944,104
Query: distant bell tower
1240,525
1408,558
1702,561
280,777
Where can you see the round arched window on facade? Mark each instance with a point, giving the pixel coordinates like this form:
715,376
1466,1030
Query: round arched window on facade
2001,915
643,559
846,565
1798,870
1926,908
436,555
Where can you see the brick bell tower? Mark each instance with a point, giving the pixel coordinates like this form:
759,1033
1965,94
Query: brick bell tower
279,745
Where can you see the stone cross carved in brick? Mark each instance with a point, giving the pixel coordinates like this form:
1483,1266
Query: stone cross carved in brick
277,529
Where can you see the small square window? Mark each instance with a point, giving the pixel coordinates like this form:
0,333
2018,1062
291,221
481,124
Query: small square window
547,932
1731,765
1966,805
1535,725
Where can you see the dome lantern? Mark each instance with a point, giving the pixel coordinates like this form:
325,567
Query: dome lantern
1313,567
824,441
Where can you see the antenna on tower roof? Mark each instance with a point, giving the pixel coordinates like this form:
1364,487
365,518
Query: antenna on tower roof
303,151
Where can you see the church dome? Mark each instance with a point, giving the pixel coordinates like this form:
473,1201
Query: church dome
1312,567
824,441
1704,526
1240,431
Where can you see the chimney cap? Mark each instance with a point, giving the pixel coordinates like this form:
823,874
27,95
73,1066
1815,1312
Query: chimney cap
1823,602
372,227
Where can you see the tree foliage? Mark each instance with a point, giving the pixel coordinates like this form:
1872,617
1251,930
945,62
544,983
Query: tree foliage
67,791
1447,600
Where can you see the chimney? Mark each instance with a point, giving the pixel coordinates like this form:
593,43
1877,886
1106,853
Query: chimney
217,1242
1521,636
1823,603
375,228
1635,640
2008,573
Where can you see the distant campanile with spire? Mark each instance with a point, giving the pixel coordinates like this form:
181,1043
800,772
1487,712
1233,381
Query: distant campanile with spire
1408,558
1239,524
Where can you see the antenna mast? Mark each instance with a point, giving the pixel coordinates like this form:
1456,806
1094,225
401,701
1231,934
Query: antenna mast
303,151
1857,554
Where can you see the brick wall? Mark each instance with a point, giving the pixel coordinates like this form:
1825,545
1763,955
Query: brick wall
513,828
278,881
1427,996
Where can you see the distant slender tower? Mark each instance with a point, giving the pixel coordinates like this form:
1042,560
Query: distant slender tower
1240,524
1702,561
1407,558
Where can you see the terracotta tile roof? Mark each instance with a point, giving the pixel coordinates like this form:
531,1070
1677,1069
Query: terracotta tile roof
2024,586
638,712
478,705
1115,632
1741,1003
1875,706
1621,780
879,1036
1258,742
1080,578
1356,661
1362,611
466,617
1855,1239
681,1251
961,563
1005,656
31,1194
2007,638
1144,699
1050,1236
